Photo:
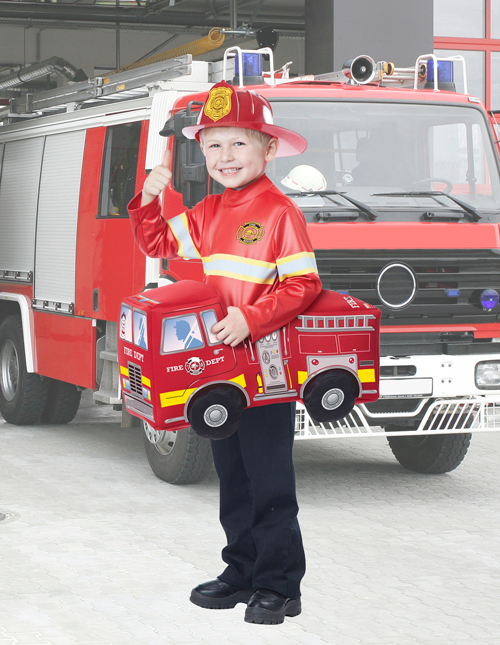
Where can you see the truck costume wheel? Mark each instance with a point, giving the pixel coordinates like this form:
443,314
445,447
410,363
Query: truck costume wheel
22,395
215,413
330,396
429,454
180,457
63,401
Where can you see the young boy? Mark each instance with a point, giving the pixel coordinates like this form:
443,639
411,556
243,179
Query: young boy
256,252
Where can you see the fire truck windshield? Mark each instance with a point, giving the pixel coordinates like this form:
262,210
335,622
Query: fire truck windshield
379,152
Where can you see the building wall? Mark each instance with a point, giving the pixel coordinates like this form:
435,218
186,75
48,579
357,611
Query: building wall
391,30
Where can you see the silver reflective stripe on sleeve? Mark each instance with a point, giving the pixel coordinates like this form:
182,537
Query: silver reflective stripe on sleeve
180,229
298,264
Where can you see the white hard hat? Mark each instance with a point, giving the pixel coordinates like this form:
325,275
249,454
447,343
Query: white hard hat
304,178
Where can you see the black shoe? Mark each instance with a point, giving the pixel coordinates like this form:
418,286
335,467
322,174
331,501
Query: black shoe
219,595
268,607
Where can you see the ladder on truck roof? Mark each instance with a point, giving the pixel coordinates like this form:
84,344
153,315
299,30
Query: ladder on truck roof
129,84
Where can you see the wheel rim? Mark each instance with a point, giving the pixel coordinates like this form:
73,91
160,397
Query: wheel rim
9,365
215,416
332,399
163,441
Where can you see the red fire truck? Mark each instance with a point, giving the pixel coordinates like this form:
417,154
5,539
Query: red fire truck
400,188
175,373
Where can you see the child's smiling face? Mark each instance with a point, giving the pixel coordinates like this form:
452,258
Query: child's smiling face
234,156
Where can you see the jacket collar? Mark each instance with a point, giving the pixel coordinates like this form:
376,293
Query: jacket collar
233,197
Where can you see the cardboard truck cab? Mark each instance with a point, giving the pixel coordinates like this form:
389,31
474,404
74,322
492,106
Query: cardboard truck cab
175,373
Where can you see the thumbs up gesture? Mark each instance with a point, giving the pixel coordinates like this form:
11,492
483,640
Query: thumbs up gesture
158,179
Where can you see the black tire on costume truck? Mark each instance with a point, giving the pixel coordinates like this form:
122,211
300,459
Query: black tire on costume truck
331,395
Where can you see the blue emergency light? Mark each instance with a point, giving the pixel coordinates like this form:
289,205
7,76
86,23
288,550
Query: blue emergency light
445,71
445,75
252,65
489,299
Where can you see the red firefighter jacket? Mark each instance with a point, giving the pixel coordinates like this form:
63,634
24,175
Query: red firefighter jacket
254,246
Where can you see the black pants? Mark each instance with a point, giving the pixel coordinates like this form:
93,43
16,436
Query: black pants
258,503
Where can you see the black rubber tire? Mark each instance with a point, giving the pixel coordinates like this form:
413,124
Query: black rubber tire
63,401
223,395
25,402
188,462
429,454
320,385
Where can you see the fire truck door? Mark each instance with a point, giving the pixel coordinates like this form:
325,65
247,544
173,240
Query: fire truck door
271,363
109,265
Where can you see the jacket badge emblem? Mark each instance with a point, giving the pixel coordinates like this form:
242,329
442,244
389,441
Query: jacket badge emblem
250,233
218,103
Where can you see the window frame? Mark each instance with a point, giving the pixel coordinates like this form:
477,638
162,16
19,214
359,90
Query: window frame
486,45
106,170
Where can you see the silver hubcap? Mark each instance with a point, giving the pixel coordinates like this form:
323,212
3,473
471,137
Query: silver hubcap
9,365
163,441
332,399
215,416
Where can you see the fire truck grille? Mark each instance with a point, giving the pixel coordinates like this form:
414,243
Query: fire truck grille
135,378
416,287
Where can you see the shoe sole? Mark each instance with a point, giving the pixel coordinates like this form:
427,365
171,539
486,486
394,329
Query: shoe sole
220,603
261,616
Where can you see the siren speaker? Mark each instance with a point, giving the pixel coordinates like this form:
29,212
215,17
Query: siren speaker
360,69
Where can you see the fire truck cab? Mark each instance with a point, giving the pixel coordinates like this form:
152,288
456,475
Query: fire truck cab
400,190
175,373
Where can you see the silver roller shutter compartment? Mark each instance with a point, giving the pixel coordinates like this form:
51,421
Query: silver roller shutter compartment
19,183
57,221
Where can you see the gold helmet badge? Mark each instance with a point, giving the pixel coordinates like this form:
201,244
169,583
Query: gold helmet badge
218,103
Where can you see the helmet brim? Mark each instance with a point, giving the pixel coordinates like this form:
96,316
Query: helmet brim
290,143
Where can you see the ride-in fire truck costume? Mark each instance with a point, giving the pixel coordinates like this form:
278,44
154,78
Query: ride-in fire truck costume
256,252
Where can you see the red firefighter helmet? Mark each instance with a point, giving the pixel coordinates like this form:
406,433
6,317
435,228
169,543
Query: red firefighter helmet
227,107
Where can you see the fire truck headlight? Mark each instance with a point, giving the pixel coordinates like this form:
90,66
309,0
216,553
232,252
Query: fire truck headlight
488,375
489,299
146,394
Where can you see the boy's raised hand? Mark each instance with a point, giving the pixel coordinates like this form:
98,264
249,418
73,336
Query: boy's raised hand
232,329
158,179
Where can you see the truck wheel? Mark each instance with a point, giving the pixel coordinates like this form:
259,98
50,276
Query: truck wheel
180,457
215,413
63,401
330,396
429,454
22,394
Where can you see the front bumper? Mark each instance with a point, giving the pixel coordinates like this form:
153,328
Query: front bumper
442,399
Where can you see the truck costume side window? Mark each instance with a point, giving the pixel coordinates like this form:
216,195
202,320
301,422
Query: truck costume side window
140,329
119,169
209,320
181,333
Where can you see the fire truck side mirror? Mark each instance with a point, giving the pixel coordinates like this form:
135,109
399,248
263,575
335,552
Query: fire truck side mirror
193,174
190,175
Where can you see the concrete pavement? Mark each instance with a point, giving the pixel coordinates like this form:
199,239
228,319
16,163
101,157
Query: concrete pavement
96,550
